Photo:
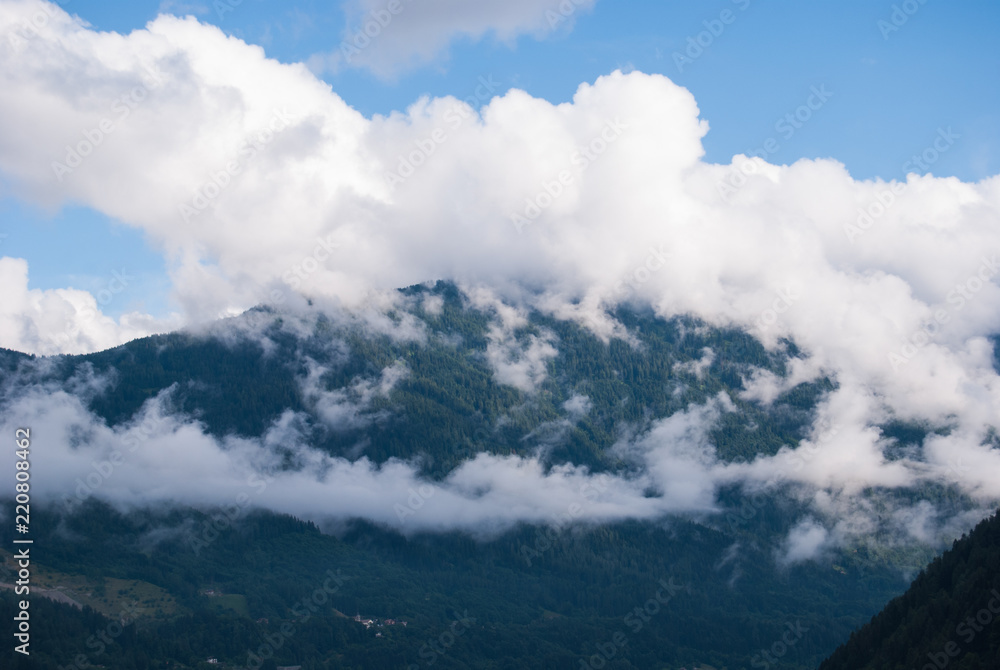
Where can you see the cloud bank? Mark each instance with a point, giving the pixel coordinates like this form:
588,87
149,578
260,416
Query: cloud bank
163,458
261,184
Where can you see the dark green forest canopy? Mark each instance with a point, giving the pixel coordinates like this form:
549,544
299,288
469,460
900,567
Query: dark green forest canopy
542,597
948,618
449,406
681,592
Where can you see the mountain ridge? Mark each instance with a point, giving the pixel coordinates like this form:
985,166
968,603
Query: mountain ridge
947,618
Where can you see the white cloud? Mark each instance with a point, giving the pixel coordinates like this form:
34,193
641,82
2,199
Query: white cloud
521,367
521,362
578,406
618,194
63,320
163,458
764,386
804,542
679,458
387,36
349,408
433,305
697,367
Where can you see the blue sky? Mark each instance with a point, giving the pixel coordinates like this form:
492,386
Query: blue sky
891,93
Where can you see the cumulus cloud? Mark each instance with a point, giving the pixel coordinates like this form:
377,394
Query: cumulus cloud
570,209
66,321
389,36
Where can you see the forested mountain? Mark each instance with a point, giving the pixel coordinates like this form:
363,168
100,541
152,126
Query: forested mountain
948,618
449,404
633,595
431,383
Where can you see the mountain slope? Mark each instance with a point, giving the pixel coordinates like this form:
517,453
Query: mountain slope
632,595
948,618
448,382
249,458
